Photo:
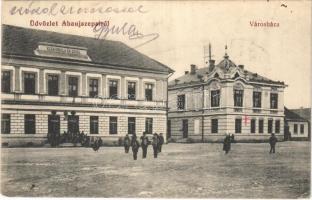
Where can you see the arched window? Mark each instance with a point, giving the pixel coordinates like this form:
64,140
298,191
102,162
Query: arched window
238,95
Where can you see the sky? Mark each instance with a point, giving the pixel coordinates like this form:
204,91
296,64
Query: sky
182,29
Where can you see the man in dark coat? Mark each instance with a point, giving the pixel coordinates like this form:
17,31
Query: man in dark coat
144,144
232,138
227,144
135,146
127,143
160,141
155,143
272,141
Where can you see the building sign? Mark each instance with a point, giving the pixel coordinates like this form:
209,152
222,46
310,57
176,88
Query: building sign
62,51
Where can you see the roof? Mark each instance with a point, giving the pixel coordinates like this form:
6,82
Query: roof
225,66
305,113
292,116
23,41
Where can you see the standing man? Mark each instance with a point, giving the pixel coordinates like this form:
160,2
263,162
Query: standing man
155,143
161,141
144,144
127,143
272,141
227,144
135,147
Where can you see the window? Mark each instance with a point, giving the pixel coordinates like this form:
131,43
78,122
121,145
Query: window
94,125
54,124
214,125
149,92
181,102
270,125
29,83
277,126
238,125
73,123
5,124
113,89
53,85
215,98
131,125
301,129
30,124
256,99
295,128
273,100
149,125
238,98
252,126
112,125
73,86
261,125
131,90
6,82
93,87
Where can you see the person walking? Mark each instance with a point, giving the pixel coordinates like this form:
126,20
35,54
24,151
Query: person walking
135,147
155,143
227,144
144,144
273,141
232,138
161,142
127,143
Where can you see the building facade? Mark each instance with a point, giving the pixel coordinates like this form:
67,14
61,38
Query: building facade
53,82
296,127
207,103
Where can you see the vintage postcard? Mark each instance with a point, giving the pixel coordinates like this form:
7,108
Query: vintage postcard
156,99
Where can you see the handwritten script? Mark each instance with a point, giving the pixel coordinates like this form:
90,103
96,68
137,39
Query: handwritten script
61,9
128,30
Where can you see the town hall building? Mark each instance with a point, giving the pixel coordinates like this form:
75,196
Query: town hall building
53,82
225,98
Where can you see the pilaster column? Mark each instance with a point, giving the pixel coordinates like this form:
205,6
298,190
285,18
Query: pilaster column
141,90
84,84
104,93
63,83
123,87
41,82
17,79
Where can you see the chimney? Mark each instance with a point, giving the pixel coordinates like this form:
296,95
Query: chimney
186,72
193,69
241,66
211,65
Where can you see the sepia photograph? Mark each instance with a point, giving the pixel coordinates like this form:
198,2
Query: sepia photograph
156,99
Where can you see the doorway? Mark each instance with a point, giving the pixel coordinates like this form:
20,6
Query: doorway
185,128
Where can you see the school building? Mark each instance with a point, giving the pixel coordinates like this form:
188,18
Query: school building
206,103
53,82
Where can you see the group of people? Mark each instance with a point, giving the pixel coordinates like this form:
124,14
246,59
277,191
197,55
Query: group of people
97,144
135,144
230,139
68,137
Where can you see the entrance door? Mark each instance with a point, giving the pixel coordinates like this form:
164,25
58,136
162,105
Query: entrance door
286,133
54,124
73,123
185,128
168,129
